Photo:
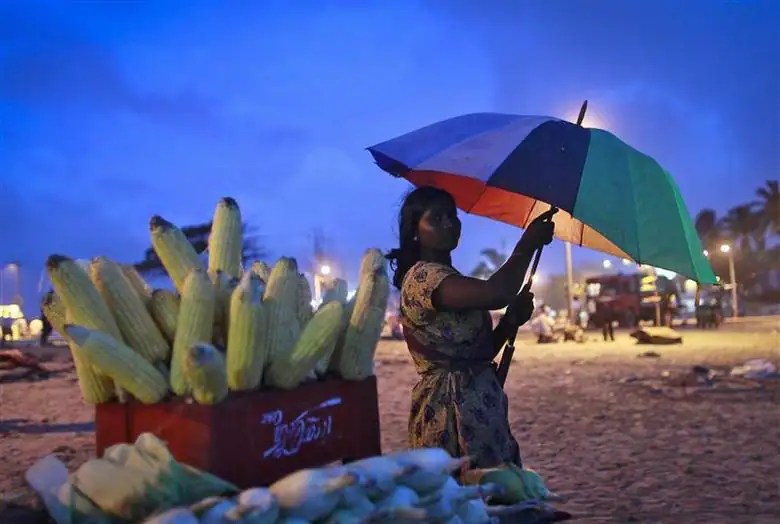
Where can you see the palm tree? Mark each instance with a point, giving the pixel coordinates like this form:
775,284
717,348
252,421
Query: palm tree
743,225
769,205
198,235
709,228
493,259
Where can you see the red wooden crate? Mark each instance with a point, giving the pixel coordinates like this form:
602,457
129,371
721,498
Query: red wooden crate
253,439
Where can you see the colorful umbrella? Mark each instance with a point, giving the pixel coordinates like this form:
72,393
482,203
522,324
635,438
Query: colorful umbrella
512,168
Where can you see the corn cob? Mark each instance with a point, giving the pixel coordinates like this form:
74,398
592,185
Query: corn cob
373,260
135,322
59,317
262,270
165,372
95,388
164,308
204,370
305,311
139,284
223,288
196,323
80,296
83,369
83,305
245,358
176,253
317,341
280,304
335,358
118,361
356,360
225,239
321,367
54,310
336,291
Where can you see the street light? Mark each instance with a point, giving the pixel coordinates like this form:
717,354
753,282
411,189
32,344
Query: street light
607,264
725,248
706,253
320,277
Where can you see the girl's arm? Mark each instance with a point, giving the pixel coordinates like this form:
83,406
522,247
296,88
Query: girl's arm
458,292
519,312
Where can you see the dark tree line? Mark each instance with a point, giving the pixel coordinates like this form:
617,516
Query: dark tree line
749,229
198,235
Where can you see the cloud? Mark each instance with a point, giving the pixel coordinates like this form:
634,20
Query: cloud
79,75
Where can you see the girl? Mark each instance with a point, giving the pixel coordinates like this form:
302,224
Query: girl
458,404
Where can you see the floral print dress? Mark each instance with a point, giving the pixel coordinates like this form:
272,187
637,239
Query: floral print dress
458,404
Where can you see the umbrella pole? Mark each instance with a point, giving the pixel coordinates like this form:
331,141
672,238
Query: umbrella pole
509,348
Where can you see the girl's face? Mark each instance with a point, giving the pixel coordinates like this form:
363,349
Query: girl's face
439,226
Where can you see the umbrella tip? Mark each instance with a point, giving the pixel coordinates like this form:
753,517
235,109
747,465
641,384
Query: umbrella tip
581,116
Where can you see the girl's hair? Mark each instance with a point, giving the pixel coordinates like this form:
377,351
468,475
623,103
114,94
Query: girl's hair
407,253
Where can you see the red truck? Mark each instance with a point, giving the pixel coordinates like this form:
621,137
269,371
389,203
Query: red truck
632,297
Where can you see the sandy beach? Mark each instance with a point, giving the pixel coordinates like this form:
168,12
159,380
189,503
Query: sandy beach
612,431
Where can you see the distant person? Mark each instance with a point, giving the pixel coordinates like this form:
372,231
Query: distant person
6,324
607,314
573,332
458,404
579,313
576,307
671,308
543,326
45,330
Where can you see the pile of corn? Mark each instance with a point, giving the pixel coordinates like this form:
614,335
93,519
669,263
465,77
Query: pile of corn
143,482
407,486
225,327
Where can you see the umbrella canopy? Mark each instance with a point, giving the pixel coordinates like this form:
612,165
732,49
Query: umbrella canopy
512,168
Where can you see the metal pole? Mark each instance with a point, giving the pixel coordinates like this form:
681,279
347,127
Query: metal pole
734,294
569,281
18,296
317,287
567,245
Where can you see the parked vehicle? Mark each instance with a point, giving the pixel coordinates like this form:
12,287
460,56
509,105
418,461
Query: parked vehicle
632,297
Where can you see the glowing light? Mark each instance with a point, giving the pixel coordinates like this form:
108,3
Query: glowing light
36,325
725,248
325,269
607,264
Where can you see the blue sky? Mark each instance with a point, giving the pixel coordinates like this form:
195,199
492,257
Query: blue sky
111,112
